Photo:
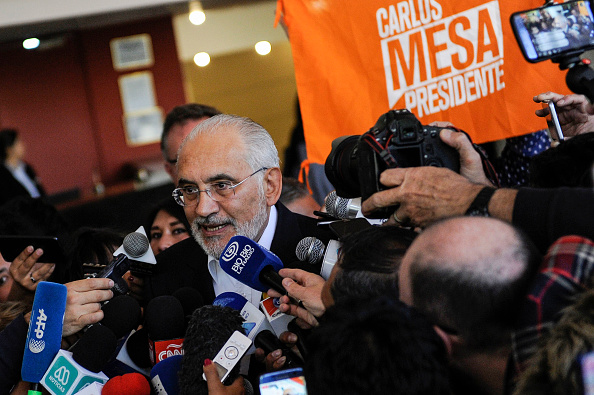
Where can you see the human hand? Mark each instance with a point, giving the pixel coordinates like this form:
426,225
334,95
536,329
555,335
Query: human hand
83,303
213,381
275,360
471,165
575,112
306,287
424,194
27,273
135,285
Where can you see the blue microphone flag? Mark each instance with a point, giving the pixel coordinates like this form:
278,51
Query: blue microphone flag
244,259
45,330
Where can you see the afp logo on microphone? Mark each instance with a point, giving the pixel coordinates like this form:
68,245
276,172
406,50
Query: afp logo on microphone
37,345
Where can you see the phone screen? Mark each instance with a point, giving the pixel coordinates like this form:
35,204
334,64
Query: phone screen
284,382
12,246
554,30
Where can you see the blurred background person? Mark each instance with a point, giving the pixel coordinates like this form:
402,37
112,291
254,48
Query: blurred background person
296,197
166,225
16,176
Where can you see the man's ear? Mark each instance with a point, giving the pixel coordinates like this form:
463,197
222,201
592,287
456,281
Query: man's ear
452,342
273,185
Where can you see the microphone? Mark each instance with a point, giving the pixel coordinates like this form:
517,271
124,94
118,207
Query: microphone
135,248
254,320
129,383
267,341
121,314
343,208
71,371
45,331
312,250
164,378
253,265
166,326
137,348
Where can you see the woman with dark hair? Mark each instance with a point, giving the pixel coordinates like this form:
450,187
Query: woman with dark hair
17,178
166,225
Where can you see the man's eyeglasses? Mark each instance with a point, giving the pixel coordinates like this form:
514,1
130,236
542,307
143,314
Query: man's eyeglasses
217,191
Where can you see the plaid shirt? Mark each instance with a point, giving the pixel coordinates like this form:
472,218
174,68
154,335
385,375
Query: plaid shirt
566,271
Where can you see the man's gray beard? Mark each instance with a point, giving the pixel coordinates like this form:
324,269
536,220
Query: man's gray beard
250,229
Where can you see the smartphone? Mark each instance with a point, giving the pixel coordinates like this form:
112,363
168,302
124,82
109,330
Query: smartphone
12,246
290,381
554,30
553,123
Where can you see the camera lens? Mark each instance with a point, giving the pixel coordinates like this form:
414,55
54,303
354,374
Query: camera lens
342,167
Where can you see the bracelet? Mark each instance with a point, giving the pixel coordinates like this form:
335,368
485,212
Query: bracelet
480,205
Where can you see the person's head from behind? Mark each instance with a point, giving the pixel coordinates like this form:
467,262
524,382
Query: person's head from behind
92,249
11,146
229,177
166,225
380,346
178,124
368,264
469,275
297,198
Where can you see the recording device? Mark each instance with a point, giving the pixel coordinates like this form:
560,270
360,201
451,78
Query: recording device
312,250
45,331
554,31
267,341
135,248
289,381
166,326
71,371
12,246
398,139
230,354
164,376
555,132
253,265
254,320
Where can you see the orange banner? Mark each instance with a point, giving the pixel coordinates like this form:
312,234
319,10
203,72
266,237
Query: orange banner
454,61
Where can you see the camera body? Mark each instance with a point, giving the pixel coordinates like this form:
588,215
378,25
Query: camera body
398,139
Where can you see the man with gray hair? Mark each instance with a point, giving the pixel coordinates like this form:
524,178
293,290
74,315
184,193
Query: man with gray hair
229,183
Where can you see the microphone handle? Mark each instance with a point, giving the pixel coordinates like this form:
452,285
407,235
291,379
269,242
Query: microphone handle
271,278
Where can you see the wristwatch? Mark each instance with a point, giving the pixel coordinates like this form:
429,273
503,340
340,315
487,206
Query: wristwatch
480,205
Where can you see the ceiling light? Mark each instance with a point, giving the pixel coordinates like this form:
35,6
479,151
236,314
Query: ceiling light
197,15
31,43
202,59
263,47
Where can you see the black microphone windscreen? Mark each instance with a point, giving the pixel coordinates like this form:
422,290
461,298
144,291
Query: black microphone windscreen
164,318
121,314
190,299
310,250
209,329
94,349
138,349
136,244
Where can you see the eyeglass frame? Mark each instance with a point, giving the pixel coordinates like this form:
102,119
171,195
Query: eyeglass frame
179,199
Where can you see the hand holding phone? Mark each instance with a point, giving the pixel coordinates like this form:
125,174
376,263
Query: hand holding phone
553,123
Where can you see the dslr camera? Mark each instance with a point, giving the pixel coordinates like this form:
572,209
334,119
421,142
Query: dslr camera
398,139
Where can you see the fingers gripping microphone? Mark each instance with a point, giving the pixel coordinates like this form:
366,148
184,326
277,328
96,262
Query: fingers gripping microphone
312,250
45,331
253,265
267,341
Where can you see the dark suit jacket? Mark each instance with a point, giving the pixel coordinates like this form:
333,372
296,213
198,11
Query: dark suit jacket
185,263
10,187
